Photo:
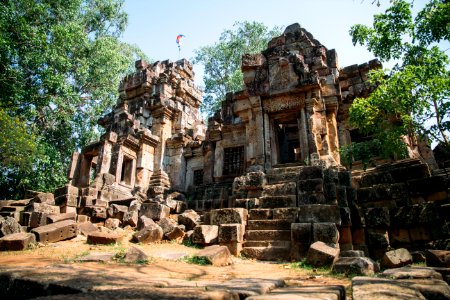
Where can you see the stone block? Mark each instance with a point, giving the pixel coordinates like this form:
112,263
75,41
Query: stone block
438,258
310,185
205,234
399,236
231,233
86,228
235,248
47,198
310,172
56,232
346,216
278,201
67,209
167,224
135,254
86,201
189,218
66,190
319,213
313,198
325,232
321,255
82,218
61,217
117,211
131,218
229,216
377,217
24,218
143,222
67,200
287,188
176,234
112,223
341,195
396,258
104,238
378,242
149,234
99,212
301,239
38,219
154,210
355,266
371,288
43,207
89,191
352,253
285,213
261,214
17,241
217,255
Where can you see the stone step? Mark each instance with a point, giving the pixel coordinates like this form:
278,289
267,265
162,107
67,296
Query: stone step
286,188
319,213
278,201
269,225
267,253
280,213
263,235
267,243
280,175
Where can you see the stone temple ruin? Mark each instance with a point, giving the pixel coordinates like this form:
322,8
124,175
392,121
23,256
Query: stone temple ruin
263,178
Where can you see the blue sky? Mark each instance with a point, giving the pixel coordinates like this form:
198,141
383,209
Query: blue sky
154,25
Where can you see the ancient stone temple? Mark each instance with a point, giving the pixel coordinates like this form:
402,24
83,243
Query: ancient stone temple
272,150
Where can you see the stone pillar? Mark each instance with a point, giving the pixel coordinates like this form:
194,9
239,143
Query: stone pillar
177,165
258,149
208,169
303,135
105,153
332,136
145,159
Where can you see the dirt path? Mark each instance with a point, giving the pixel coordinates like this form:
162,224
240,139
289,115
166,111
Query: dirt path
55,263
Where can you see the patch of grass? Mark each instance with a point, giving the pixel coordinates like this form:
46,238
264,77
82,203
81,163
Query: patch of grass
189,243
68,260
307,267
120,255
197,260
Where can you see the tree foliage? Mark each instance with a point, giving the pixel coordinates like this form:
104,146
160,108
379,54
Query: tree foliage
413,97
222,60
60,66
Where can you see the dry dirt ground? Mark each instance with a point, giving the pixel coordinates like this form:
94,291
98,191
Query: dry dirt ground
165,271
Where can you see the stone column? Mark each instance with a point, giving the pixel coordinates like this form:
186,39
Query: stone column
303,134
105,153
145,159
208,169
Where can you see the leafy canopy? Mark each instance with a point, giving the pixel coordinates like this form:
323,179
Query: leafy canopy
413,97
60,66
222,60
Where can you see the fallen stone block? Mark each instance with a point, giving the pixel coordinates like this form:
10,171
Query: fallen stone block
229,216
61,217
8,226
104,238
411,273
67,200
217,255
355,265
67,189
38,219
17,241
396,258
149,234
83,218
96,257
154,210
86,228
43,207
189,218
167,224
369,288
301,239
117,211
231,233
67,209
131,218
321,255
352,253
47,198
438,258
205,234
112,223
235,248
144,222
177,234
55,232
331,292
134,255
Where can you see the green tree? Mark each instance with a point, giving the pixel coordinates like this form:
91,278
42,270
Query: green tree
60,66
222,60
413,97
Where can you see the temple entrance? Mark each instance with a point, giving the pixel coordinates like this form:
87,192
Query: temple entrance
286,135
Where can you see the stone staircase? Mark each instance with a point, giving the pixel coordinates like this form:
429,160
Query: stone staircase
268,231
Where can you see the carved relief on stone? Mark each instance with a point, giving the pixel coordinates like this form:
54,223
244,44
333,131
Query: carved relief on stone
283,103
279,74
318,124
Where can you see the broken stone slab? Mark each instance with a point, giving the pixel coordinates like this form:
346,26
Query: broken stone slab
438,258
144,222
61,217
396,258
56,232
217,255
37,219
177,234
229,216
246,287
112,223
321,255
86,228
325,232
301,239
8,226
42,207
17,241
205,234
411,273
369,288
149,234
67,200
231,233
332,292
429,288
355,265
167,224
135,254
154,210
117,211
66,190
104,238
189,218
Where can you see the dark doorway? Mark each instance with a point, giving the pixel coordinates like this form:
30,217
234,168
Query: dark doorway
288,141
